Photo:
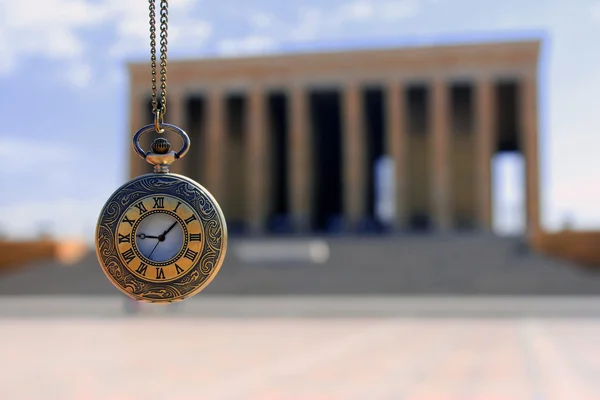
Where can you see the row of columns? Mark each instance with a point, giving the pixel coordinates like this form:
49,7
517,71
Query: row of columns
354,155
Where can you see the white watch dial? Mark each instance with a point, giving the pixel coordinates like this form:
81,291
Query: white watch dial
159,237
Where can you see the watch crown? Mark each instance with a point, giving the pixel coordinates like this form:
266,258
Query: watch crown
161,146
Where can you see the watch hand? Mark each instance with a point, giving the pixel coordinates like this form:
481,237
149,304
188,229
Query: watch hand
160,238
168,230
144,236
157,243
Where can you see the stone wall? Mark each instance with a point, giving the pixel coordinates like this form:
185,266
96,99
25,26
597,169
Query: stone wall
18,254
581,247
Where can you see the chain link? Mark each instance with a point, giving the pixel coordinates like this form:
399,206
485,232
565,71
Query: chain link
164,20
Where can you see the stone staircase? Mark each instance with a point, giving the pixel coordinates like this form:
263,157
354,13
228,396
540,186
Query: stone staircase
378,265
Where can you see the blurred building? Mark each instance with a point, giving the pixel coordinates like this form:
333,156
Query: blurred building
349,142
17,254
355,140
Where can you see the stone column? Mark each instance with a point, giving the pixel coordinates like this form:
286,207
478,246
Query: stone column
484,139
440,165
529,138
396,146
353,150
299,159
176,115
257,156
215,143
137,165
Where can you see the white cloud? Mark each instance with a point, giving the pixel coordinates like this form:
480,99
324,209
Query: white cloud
317,22
310,22
55,29
132,26
47,28
63,217
374,11
7,61
49,165
24,155
595,11
79,75
397,10
189,35
261,20
356,10
29,13
246,45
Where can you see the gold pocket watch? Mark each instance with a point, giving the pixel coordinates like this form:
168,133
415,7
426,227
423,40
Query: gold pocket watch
161,237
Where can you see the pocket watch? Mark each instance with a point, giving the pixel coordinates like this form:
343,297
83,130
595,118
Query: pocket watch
161,237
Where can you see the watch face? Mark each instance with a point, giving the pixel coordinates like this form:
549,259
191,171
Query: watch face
159,238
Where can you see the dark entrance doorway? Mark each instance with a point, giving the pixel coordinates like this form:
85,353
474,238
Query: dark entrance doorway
418,193
234,205
463,153
278,137
195,124
325,123
374,122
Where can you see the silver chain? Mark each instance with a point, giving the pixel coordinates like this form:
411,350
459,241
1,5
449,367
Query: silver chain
159,113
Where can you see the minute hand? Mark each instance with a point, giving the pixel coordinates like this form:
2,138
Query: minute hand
169,230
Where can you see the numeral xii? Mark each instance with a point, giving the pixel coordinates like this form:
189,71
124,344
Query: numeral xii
159,202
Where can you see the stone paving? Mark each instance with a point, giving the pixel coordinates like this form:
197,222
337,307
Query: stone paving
161,356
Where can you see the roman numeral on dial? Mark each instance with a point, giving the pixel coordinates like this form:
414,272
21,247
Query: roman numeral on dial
128,256
160,274
194,237
190,219
129,221
140,206
124,238
178,269
190,254
159,202
178,204
142,269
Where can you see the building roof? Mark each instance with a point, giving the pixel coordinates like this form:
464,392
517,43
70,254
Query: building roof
448,58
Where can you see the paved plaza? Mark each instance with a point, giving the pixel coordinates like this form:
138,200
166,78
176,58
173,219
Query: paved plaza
294,348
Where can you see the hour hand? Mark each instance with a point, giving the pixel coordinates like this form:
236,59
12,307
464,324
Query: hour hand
143,236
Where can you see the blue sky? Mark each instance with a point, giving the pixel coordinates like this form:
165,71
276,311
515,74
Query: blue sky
63,111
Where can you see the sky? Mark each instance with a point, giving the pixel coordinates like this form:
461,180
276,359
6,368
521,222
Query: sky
63,108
